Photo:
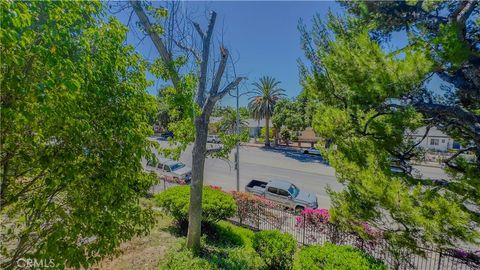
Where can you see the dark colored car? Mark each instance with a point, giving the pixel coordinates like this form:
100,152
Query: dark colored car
166,135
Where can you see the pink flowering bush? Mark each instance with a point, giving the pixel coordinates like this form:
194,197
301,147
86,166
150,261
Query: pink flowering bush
215,187
314,222
369,237
372,232
172,179
313,217
255,209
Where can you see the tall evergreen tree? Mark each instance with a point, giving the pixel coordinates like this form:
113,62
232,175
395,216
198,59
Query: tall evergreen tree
370,99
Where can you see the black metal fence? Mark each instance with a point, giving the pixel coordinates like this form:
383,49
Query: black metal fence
264,218
260,217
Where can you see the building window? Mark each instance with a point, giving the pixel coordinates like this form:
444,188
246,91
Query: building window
434,141
443,140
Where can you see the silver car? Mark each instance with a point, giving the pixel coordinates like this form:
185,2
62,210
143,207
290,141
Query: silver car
173,171
284,193
213,139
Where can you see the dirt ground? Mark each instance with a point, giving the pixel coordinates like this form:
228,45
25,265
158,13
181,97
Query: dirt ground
143,252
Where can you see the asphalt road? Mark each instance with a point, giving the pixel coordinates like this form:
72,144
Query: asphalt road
308,172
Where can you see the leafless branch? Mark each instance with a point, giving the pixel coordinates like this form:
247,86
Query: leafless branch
188,49
157,41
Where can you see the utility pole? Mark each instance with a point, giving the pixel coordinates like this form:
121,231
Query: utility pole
237,154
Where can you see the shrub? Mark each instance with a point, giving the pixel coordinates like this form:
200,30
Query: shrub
330,256
314,221
216,204
236,259
226,234
228,247
232,248
275,248
249,210
285,135
179,259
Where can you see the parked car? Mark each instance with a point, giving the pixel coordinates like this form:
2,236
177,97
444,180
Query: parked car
213,139
283,193
312,151
166,135
175,170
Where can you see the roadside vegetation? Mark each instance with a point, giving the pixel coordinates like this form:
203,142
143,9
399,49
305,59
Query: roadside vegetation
76,120
224,245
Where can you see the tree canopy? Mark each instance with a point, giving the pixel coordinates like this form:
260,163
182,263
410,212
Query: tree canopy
369,100
75,126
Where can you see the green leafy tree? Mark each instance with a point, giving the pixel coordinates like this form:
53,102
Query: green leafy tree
289,114
369,98
285,135
75,122
190,98
262,103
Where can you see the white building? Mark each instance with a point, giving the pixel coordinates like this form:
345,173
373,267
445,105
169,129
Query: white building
435,140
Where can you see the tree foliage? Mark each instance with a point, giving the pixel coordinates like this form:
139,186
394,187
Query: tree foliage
335,257
216,205
228,124
289,114
370,98
262,103
75,122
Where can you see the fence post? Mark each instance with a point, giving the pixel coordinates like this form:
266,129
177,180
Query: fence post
439,259
304,227
258,217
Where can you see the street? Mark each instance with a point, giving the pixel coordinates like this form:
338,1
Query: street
307,172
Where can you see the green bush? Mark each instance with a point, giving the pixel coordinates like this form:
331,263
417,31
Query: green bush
216,204
275,248
236,259
226,234
228,247
330,257
179,259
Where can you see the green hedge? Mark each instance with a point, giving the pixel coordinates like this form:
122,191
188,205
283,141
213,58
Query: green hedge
275,248
229,247
216,204
333,257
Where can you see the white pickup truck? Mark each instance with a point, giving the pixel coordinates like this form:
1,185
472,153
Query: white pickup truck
284,193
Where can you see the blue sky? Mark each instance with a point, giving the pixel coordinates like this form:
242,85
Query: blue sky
262,38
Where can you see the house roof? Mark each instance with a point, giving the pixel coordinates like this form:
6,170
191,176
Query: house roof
433,132
252,123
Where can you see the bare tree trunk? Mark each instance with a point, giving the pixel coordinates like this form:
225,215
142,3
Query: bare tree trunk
267,130
196,186
205,100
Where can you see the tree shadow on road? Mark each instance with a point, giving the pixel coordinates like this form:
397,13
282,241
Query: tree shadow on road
296,154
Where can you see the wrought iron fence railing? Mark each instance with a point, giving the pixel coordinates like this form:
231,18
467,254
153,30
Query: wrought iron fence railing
264,218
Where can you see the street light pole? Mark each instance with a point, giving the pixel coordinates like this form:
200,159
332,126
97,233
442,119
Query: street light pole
237,154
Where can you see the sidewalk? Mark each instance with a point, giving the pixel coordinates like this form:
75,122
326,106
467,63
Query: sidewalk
273,146
294,147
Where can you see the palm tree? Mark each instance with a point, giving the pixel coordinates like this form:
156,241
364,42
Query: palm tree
266,94
228,124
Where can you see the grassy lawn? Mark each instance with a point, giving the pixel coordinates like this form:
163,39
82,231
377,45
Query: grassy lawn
226,247
144,252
